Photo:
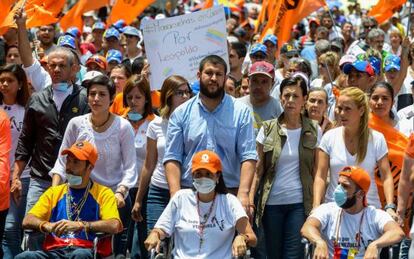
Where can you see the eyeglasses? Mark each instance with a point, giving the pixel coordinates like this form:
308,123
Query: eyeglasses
183,93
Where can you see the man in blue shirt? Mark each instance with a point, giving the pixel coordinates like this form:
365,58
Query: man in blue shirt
215,121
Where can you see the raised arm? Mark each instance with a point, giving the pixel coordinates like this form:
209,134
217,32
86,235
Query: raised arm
24,44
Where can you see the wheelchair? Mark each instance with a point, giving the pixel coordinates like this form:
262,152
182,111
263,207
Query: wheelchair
99,237
166,247
309,247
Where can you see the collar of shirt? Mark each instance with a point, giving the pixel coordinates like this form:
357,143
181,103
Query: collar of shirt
223,101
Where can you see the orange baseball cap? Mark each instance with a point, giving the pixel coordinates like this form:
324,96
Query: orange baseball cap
83,150
358,175
208,160
99,60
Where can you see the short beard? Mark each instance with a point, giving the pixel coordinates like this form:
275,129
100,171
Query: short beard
212,95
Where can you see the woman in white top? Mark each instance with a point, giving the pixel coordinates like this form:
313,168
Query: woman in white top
353,144
203,221
137,101
14,95
114,138
175,91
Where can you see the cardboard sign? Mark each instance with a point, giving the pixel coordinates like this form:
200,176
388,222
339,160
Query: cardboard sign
176,45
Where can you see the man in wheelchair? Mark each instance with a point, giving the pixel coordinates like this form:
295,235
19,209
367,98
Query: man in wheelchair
348,228
71,214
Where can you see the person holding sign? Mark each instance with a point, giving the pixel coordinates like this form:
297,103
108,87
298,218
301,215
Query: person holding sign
212,120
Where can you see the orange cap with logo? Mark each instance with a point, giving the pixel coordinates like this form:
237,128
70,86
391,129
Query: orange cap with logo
358,175
83,150
208,160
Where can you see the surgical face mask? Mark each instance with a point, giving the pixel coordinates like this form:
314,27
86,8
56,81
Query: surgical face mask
134,116
342,199
204,185
61,87
74,180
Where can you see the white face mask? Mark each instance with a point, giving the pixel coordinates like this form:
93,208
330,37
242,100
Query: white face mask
74,180
204,185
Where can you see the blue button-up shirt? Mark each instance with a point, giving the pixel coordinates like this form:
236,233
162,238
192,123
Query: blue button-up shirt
228,131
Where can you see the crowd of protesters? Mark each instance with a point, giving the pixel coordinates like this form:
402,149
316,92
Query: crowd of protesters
311,137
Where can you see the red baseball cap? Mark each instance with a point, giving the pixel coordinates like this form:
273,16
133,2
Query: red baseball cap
262,67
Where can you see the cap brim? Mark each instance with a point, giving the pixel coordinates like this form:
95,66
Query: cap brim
392,66
261,73
75,153
208,168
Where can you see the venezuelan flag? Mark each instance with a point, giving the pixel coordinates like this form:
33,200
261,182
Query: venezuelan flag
345,253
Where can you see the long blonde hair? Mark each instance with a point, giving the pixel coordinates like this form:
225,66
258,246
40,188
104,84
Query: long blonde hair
361,100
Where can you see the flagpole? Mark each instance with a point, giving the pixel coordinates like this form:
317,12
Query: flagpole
409,18
333,21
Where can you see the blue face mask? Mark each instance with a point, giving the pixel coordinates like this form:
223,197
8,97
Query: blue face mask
61,87
74,180
340,195
134,116
342,199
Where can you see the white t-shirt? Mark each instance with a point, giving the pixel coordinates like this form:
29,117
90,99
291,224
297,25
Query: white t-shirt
371,228
180,218
116,157
287,187
405,126
333,145
140,141
157,130
16,116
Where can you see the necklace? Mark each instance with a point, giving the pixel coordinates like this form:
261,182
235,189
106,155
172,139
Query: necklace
358,237
73,209
203,220
96,127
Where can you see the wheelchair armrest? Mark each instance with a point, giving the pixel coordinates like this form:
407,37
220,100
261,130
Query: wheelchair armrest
29,231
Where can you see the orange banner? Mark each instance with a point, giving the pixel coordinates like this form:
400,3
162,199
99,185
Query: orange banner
385,9
74,16
128,10
396,143
287,13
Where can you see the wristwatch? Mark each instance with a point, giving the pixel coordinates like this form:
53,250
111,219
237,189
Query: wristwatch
390,206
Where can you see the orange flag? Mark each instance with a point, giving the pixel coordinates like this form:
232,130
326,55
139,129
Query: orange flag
39,12
384,9
208,4
6,6
128,10
74,16
396,143
287,13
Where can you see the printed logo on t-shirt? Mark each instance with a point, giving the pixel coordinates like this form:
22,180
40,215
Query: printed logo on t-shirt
14,124
213,223
345,248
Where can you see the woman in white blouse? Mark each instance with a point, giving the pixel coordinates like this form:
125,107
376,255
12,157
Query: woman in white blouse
203,221
114,138
175,91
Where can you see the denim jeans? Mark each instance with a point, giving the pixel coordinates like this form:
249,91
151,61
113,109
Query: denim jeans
281,225
140,234
404,248
120,239
3,215
67,252
12,238
158,199
36,188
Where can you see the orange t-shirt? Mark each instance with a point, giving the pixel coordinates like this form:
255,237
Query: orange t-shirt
118,108
5,147
410,146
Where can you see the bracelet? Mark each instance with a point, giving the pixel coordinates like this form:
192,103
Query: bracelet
390,206
41,226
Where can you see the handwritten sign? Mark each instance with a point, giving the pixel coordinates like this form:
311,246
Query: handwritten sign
176,45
